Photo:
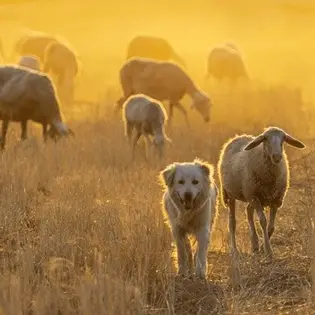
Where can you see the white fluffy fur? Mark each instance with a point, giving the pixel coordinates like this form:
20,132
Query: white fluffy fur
195,218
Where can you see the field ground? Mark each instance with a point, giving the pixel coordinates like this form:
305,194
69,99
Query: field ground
81,228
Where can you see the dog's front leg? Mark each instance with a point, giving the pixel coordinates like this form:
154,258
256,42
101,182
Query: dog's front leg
180,239
202,238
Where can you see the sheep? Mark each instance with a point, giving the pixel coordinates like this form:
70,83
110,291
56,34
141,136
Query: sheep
154,48
34,43
225,61
25,95
162,80
258,175
147,116
31,62
62,62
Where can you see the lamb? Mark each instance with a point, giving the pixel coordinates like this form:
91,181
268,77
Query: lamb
225,61
31,62
189,206
147,116
154,48
25,95
255,170
62,62
162,80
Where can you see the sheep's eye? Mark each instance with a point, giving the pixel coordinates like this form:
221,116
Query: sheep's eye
195,182
181,182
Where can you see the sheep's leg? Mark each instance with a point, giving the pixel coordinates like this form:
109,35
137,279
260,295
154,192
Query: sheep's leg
170,114
129,128
45,132
147,147
202,237
272,219
5,125
23,130
263,223
134,143
252,228
181,108
232,227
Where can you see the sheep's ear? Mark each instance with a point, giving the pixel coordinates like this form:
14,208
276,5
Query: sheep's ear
254,143
294,142
168,174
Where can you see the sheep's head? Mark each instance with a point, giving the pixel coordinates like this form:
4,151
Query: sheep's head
202,103
273,139
56,134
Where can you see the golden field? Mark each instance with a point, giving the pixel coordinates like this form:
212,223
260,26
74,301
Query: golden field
81,229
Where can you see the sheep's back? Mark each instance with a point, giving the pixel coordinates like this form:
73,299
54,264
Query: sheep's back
136,109
159,80
140,109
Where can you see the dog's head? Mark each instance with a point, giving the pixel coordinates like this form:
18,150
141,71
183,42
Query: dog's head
187,182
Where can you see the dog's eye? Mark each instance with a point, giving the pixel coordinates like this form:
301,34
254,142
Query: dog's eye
181,182
195,182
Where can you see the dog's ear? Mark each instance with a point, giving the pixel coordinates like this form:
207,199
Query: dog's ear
168,174
206,168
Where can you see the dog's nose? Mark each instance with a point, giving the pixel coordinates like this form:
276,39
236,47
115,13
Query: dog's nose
277,157
188,197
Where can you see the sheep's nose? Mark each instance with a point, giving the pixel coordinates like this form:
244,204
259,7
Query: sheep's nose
188,197
207,119
277,157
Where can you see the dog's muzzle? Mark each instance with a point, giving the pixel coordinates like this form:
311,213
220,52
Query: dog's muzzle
188,201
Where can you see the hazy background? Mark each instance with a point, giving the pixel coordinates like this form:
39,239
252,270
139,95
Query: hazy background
275,37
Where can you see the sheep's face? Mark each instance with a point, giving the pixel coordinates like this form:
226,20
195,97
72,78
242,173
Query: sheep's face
187,183
203,107
273,145
273,139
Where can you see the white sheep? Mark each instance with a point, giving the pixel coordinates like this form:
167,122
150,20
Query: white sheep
31,62
256,174
147,116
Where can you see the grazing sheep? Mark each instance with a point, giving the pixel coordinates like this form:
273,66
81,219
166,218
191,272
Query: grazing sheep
148,117
34,43
226,62
255,170
62,62
189,205
162,81
31,62
154,48
29,95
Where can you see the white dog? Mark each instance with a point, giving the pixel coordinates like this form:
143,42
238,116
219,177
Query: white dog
189,204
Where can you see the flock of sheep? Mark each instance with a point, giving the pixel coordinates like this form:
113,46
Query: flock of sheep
251,169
